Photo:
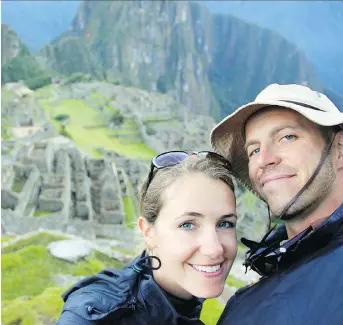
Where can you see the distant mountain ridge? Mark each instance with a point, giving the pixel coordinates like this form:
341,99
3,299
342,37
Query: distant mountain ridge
17,62
314,26
38,22
211,63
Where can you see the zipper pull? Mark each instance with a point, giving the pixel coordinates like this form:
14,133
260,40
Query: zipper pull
92,310
133,304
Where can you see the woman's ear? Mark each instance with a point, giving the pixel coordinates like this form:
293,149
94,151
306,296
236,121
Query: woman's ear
147,231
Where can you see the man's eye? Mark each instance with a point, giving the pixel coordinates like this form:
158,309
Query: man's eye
187,226
253,152
289,137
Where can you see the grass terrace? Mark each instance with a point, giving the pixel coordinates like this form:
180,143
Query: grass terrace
82,116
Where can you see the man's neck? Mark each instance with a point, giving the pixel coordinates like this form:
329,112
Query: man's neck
313,217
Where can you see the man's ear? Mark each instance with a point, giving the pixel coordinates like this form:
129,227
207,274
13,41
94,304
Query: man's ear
147,231
339,146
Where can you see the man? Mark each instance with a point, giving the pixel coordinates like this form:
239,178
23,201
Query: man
287,147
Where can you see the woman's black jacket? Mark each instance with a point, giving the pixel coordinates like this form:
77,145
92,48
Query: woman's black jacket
124,297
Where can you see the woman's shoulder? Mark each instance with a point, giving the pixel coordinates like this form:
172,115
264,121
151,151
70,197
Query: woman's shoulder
94,297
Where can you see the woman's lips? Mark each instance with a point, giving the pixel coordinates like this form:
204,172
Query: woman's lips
209,270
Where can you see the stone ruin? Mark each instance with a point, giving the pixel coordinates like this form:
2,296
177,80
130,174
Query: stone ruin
131,173
52,185
47,182
163,123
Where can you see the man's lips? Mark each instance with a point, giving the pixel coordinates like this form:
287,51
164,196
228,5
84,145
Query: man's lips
269,179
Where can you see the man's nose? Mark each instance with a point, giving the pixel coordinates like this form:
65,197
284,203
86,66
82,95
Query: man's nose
211,245
268,157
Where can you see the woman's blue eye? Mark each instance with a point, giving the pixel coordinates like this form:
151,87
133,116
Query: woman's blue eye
226,224
187,225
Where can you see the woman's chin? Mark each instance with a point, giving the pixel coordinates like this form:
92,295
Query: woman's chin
209,293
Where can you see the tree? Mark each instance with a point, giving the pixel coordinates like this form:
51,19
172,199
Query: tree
117,118
63,119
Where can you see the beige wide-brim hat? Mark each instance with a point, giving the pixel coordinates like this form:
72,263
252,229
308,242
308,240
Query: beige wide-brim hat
227,137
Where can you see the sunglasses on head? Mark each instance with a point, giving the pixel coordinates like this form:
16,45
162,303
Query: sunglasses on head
172,158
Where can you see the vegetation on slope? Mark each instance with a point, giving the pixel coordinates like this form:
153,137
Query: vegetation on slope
19,64
88,130
29,292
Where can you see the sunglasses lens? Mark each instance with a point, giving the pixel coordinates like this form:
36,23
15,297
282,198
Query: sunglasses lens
170,159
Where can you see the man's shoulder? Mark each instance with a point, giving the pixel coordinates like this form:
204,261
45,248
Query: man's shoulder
277,297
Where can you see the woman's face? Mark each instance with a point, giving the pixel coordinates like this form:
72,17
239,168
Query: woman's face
195,236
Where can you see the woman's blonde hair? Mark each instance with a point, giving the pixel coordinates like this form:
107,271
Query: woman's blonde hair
151,200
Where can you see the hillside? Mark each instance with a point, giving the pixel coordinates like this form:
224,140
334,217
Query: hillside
314,26
18,63
177,48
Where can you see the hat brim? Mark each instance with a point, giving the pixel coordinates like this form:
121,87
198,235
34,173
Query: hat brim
227,137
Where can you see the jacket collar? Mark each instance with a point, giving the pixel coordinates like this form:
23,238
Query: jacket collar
132,287
152,295
275,252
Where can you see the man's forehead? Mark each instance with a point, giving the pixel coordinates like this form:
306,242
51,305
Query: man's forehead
276,112
272,118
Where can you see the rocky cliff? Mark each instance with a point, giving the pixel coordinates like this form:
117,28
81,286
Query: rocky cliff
211,63
17,62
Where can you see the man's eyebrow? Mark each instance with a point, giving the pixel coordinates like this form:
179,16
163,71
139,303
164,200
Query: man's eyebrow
197,214
272,133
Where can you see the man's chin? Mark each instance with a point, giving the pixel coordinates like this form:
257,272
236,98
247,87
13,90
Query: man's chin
292,212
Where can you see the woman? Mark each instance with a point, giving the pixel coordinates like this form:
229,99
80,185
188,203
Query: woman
188,218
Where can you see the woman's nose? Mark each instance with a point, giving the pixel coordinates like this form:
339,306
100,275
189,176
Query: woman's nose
211,245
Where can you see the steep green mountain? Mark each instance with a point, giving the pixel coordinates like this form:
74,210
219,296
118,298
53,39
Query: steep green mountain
18,63
211,63
315,26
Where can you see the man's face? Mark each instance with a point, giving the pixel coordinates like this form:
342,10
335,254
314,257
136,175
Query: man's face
284,149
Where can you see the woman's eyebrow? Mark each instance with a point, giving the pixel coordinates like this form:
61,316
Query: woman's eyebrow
230,215
191,214
197,214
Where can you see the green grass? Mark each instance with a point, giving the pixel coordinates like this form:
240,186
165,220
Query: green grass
82,115
156,120
124,251
128,127
40,213
45,92
130,215
130,208
211,311
17,186
42,239
42,309
96,98
29,271
6,238
109,262
234,282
